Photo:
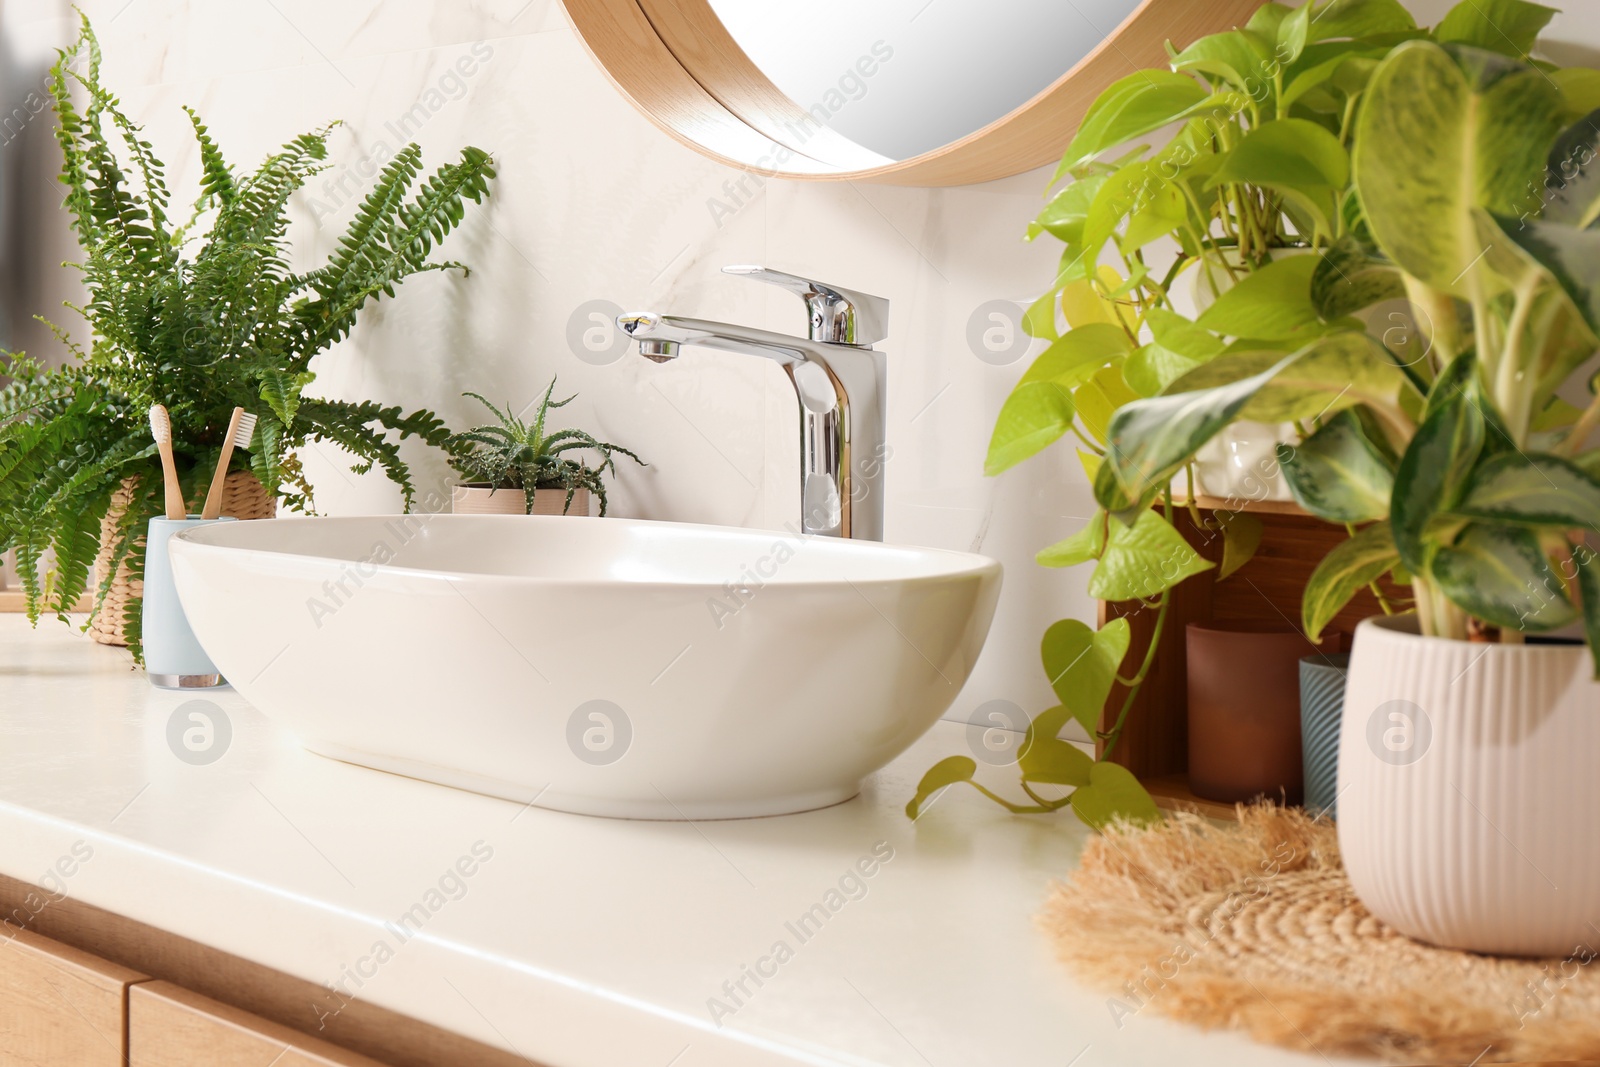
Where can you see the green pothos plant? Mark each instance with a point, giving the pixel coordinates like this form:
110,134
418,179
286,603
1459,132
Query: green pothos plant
200,312
1237,242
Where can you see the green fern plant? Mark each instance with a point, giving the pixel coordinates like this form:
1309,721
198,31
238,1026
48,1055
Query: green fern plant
202,315
511,454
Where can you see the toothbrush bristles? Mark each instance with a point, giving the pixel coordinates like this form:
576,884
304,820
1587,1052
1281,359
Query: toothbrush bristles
160,424
247,430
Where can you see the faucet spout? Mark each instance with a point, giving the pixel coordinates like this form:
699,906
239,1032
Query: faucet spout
647,328
659,351
840,390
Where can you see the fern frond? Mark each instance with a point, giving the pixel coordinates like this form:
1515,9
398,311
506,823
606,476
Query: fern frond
72,129
76,539
133,614
256,214
217,182
363,430
151,170
230,324
266,459
359,247
281,391
390,239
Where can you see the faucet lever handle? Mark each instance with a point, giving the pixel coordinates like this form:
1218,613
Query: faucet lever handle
836,315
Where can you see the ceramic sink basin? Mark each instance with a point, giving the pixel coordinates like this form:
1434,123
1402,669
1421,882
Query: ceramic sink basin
604,666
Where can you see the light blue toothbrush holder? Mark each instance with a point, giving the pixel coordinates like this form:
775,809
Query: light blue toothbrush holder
173,657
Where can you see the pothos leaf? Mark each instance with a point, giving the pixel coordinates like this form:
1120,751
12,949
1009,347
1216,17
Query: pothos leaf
1361,18
1153,367
1270,304
1568,254
1082,663
1294,32
1055,762
1237,58
1035,416
1099,398
1241,536
1511,27
1177,334
1132,107
1142,560
1081,547
1114,795
1298,159
946,772
1041,408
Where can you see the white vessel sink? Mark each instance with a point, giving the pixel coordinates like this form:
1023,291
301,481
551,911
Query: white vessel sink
604,666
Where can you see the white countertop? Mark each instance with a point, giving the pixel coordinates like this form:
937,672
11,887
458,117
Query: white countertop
579,942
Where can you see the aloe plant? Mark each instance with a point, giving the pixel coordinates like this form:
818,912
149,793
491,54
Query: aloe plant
1475,169
1252,201
525,457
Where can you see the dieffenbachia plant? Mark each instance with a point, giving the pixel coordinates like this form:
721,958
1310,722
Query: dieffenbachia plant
1250,202
1467,472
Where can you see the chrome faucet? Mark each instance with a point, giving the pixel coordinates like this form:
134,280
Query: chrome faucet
838,378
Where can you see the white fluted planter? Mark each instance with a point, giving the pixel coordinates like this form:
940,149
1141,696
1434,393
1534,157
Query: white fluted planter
1469,792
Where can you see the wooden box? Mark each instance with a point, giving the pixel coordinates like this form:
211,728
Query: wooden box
1266,591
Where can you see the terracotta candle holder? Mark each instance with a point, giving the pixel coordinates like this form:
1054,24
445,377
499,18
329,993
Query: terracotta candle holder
1244,712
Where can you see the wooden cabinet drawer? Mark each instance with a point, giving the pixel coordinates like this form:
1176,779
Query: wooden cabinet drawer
59,1007
168,1026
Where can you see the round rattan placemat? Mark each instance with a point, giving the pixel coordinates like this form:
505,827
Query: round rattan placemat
1253,926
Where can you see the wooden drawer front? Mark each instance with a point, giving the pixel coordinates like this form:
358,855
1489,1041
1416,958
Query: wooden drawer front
59,1007
168,1026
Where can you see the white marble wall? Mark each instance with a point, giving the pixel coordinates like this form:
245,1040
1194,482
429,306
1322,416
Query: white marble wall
594,203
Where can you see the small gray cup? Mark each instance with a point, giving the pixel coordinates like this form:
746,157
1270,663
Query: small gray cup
1322,681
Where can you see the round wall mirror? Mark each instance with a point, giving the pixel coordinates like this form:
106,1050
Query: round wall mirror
910,92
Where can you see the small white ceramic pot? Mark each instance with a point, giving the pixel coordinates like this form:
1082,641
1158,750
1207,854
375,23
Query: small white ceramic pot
1468,792
1241,462
481,500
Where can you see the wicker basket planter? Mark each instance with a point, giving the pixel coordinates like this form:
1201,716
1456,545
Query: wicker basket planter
243,497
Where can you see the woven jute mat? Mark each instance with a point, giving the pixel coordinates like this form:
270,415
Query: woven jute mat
1253,926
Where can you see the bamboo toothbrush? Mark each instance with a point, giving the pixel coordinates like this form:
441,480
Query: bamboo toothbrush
241,428
161,430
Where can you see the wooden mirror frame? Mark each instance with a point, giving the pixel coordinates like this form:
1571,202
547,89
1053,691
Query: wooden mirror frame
676,63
